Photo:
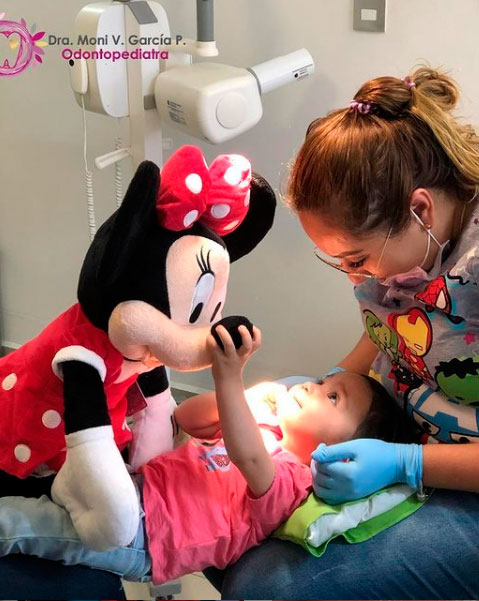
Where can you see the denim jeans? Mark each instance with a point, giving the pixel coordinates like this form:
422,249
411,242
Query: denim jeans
433,554
42,528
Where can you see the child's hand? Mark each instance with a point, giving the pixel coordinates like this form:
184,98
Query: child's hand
230,362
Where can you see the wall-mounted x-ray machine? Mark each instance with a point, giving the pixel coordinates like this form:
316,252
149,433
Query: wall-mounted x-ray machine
128,64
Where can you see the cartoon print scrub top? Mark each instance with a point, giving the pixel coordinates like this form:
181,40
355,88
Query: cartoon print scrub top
426,326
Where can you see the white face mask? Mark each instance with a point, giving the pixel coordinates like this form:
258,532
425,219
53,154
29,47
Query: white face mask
429,236
416,275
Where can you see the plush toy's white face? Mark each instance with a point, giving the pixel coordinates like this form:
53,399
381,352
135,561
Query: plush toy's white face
197,271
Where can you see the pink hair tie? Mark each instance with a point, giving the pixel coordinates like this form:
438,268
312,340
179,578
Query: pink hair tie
406,80
360,107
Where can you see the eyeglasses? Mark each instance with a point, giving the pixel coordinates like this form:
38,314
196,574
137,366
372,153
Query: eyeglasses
337,263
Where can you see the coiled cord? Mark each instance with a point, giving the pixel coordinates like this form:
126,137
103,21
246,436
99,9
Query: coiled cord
88,181
118,178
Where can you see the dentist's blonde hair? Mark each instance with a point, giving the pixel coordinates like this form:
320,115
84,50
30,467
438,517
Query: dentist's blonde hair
358,168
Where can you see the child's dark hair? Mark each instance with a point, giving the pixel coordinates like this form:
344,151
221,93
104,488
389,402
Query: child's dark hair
385,419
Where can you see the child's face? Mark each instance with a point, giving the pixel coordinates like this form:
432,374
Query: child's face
328,412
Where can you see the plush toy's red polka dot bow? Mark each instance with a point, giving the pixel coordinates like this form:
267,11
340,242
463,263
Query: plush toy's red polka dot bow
218,197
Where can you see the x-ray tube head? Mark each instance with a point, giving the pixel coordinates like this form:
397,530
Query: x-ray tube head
284,69
217,102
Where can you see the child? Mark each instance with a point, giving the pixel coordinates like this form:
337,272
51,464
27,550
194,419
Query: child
207,502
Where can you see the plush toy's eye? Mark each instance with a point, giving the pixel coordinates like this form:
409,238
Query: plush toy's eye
215,312
203,292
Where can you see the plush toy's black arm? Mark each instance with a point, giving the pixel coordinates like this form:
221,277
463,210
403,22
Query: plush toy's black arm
85,399
85,407
153,382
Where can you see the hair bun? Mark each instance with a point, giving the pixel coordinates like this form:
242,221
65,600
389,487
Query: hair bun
389,97
437,86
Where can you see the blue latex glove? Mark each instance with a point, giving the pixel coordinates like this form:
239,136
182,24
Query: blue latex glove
334,370
373,464
291,381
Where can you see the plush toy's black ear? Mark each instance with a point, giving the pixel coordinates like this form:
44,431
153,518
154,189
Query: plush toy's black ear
257,222
134,218
110,260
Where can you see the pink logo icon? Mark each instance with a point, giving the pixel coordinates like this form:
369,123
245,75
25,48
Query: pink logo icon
26,42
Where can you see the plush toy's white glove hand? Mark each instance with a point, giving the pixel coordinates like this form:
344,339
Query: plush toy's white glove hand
152,429
95,488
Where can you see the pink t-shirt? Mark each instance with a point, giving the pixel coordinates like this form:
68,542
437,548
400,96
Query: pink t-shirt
200,513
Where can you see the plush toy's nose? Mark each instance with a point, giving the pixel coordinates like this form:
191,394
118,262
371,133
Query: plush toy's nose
231,323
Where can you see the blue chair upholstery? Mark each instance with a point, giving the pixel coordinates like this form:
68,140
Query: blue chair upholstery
25,577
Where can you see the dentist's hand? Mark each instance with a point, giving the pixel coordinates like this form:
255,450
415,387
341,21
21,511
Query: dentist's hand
370,465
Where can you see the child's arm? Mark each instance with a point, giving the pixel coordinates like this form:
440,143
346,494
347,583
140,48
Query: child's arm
241,433
198,416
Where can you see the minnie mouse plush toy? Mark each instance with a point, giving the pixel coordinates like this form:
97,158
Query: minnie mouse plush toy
152,285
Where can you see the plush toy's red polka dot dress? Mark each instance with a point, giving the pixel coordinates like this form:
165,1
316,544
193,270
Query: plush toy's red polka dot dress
31,392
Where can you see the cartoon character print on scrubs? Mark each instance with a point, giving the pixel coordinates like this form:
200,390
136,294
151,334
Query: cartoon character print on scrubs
403,379
436,295
445,407
383,336
415,335
387,340
444,419
459,379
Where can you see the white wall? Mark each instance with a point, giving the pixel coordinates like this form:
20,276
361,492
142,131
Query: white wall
306,311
